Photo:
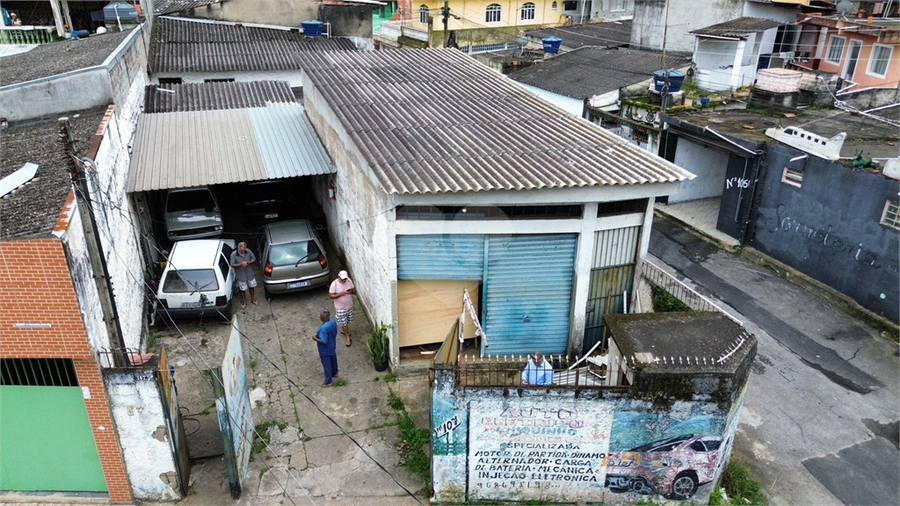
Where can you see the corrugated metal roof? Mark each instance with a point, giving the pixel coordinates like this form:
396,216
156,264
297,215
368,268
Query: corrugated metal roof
590,71
739,28
215,95
182,149
609,34
168,6
190,45
435,120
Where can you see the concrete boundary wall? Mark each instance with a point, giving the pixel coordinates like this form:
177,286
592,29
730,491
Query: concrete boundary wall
596,445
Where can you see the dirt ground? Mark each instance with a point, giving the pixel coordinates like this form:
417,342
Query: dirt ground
327,445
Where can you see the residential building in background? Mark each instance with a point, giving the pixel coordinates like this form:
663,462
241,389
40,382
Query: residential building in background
683,16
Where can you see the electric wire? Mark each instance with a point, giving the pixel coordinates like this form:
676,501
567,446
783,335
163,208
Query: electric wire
253,344
209,379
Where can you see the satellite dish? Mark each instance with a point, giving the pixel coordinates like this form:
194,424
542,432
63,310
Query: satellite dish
844,7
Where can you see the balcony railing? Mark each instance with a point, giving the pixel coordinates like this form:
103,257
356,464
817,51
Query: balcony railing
28,34
690,297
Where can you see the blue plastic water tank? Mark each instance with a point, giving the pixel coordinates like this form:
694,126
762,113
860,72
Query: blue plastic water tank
551,44
676,79
312,28
126,12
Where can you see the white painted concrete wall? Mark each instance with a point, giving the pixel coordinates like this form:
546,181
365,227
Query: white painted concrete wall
359,226
708,164
116,217
82,278
687,15
137,409
571,105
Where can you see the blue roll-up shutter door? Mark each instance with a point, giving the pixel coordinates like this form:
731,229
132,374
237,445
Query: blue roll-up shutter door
528,293
452,257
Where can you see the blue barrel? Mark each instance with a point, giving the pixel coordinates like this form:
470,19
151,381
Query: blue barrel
676,79
551,44
312,28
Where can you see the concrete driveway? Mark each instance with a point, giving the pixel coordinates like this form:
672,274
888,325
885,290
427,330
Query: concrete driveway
331,445
820,419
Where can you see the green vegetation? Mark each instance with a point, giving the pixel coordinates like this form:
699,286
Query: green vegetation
390,378
665,302
739,488
378,343
413,441
340,382
262,436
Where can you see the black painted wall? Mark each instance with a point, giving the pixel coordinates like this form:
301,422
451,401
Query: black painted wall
829,228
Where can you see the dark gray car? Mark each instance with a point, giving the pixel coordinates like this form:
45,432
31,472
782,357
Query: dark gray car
293,257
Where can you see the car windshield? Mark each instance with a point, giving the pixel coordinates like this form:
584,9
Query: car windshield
188,200
190,280
294,253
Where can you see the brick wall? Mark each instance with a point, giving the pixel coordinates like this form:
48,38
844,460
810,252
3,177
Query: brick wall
37,289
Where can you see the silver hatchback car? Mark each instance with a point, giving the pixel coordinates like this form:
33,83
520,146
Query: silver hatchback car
293,257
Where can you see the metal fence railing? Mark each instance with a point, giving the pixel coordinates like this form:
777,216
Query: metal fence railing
506,371
690,297
28,34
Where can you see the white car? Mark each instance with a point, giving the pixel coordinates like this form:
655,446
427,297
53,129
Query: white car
198,279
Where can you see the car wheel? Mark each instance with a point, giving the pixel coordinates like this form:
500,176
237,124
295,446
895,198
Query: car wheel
159,320
641,486
684,486
227,312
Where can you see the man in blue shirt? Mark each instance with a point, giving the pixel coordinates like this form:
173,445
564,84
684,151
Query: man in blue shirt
325,338
537,371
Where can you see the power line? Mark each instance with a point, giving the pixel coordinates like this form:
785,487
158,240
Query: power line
268,359
218,380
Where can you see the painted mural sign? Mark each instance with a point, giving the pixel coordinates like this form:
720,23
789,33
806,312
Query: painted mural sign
538,449
233,408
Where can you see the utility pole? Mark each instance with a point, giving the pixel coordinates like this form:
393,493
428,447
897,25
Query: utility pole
94,246
445,12
662,63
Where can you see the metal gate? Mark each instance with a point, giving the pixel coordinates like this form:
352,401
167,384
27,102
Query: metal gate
169,394
445,256
612,279
48,444
528,293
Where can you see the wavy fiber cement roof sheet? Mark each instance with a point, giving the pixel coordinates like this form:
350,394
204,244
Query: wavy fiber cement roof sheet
446,111
184,149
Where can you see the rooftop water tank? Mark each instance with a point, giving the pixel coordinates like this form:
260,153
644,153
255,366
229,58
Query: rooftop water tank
312,28
551,44
676,79
124,11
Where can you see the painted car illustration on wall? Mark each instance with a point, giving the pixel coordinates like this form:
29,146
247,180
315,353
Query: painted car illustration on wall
672,467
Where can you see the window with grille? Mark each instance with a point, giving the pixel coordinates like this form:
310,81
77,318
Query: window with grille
424,14
891,215
492,13
554,6
835,49
792,177
621,207
38,372
881,57
528,12
618,5
570,5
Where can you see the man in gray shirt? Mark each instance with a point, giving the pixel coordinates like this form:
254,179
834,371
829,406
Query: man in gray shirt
241,259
